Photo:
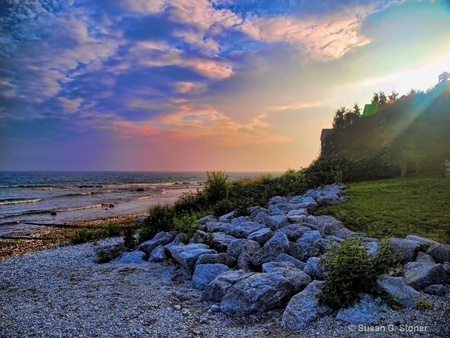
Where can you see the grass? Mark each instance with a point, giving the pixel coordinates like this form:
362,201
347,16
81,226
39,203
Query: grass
397,208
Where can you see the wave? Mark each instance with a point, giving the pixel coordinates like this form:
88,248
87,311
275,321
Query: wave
47,211
13,201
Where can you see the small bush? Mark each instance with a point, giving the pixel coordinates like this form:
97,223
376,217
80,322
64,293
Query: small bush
187,225
424,304
217,186
351,271
83,235
160,218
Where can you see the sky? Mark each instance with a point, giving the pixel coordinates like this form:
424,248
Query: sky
197,85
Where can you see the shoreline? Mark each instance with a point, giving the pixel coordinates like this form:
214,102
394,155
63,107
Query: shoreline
53,236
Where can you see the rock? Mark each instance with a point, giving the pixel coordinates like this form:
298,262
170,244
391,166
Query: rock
420,275
424,258
276,245
220,258
304,202
187,256
366,311
219,286
372,248
297,218
424,242
256,294
239,246
277,221
261,236
294,231
301,251
133,257
276,200
436,289
206,219
158,254
226,217
261,217
215,308
286,258
218,227
315,269
298,212
205,273
399,290
304,308
440,252
309,237
244,229
221,241
328,225
161,238
297,277
244,262
407,249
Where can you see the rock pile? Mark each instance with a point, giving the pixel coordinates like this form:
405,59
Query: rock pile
270,259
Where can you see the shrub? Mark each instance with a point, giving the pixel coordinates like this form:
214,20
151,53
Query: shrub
160,218
424,304
217,186
352,271
83,235
187,225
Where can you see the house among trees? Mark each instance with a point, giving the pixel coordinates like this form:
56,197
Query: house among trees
325,133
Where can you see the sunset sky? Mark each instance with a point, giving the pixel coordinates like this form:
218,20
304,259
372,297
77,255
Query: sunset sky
189,85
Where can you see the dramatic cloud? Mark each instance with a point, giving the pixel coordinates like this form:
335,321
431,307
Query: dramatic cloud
158,83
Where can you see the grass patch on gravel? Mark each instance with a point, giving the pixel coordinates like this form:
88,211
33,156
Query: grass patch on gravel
397,207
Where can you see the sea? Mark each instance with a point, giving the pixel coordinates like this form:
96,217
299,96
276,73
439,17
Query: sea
30,199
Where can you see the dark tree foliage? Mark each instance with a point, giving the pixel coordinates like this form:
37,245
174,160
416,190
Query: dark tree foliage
409,134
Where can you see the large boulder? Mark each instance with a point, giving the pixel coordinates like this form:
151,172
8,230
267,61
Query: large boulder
315,269
239,246
214,226
161,238
419,275
399,290
133,257
261,236
220,258
304,308
310,237
297,277
287,258
205,273
187,255
440,252
366,311
244,229
407,249
276,245
424,242
301,251
256,294
221,241
276,222
220,285
294,231
158,254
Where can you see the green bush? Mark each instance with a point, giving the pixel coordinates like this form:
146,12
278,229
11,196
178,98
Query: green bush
187,225
424,304
217,186
160,218
83,235
352,271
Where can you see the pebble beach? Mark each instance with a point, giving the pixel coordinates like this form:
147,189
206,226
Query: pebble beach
62,292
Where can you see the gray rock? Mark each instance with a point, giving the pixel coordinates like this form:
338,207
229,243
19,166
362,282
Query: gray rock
276,245
244,229
287,258
220,285
399,290
424,258
217,227
261,236
161,238
309,237
187,256
220,258
238,246
315,269
277,221
158,254
297,277
328,225
294,231
226,217
221,241
304,308
205,273
304,202
244,262
261,217
256,294
407,249
298,212
424,242
301,251
133,257
436,289
440,252
276,200
297,218
366,311
204,220
420,275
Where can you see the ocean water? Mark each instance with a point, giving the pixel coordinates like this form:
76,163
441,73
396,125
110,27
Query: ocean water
31,198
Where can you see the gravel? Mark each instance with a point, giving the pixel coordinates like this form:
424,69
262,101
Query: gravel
62,292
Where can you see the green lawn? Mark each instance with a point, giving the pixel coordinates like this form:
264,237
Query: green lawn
397,207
